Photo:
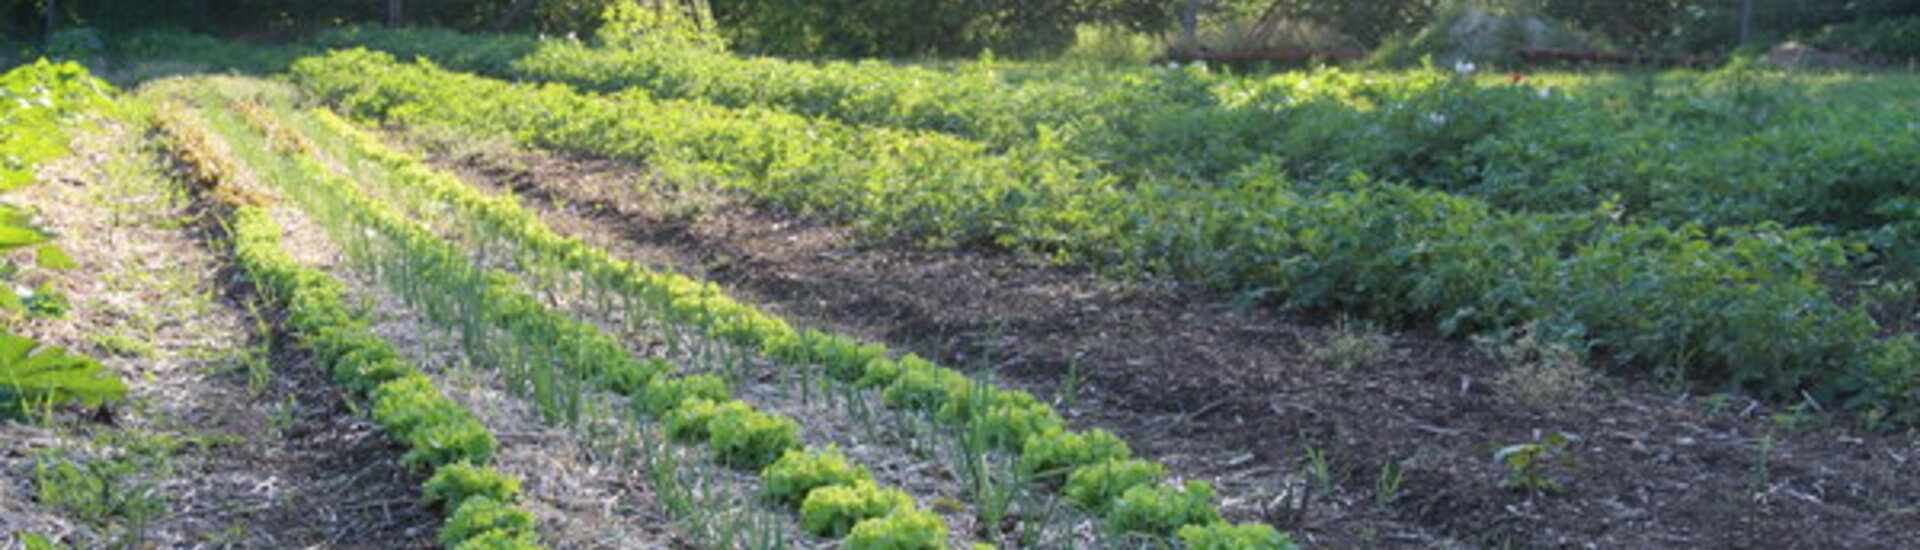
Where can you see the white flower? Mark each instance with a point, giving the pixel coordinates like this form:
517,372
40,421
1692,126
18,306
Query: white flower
1437,118
1546,92
1464,67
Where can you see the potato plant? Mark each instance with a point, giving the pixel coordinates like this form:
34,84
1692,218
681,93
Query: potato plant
40,105
1393,251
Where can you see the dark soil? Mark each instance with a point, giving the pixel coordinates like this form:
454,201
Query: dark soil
1231,393
324,479
313,473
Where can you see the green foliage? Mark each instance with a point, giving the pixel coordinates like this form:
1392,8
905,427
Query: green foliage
98,491
997,418
1161,511
660,24
1095,487
689,422
1528,464
1225,536
480,515
845,358
882,372
440,435
39,104
1111,45
33,376
1471,240
453,484
745,438
833,510
668,393
896,28
798,472
633,377
440,444
925,388
36,541
501,540
902,529
1054,454
1894,39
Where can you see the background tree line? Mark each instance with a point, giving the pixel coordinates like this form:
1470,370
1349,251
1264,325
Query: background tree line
850,28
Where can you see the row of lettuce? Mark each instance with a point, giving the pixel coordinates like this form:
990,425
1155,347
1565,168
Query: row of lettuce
1093,469
1722,149
1745,306
42,105
441,437
554,359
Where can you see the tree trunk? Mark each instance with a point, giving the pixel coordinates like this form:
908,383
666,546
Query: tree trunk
514,14
53,17
1746,22
395,15
1189,23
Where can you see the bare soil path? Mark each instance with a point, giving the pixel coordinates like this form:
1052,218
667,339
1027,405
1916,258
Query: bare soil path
231,438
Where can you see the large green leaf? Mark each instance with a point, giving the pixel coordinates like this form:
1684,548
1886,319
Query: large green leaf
52,257
31,373
17,229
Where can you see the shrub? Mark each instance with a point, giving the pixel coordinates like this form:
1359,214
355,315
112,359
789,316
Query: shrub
1224,536
745,438
1052,455
833,510
1095,486
1161,510
904,529
798,472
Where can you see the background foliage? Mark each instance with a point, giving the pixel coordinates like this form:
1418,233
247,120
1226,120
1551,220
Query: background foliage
899,28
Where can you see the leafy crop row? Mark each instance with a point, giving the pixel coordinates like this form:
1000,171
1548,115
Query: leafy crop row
1664,156
566,356
441,437
1011,421
39,105
976,101
1740,306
